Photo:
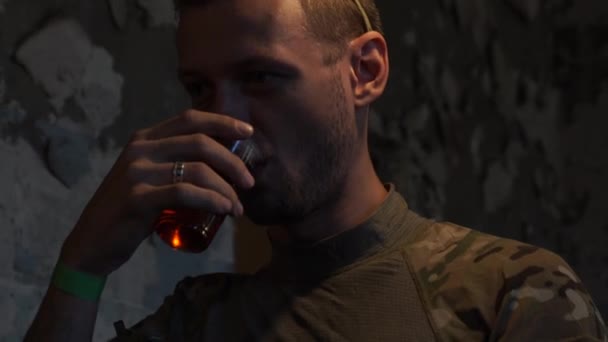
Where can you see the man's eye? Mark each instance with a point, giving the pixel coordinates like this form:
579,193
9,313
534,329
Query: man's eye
261,78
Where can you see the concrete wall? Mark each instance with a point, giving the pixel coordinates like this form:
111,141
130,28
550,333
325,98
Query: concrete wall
494,118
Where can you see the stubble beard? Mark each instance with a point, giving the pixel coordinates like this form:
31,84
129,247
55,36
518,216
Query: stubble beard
321,180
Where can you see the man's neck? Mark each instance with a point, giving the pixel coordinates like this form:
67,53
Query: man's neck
362,194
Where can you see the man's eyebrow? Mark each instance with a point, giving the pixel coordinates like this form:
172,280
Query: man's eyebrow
253,61
262,61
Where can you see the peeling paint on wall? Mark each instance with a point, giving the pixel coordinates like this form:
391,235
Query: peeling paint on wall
78,70
58,70
100,91
67,151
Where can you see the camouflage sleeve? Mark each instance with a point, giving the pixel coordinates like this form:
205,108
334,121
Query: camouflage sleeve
544,300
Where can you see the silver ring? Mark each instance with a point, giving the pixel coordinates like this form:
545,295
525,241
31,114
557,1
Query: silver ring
178,172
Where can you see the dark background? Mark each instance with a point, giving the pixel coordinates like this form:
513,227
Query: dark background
496,118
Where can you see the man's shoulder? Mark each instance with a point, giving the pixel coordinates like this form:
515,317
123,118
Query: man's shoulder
448,258
446,248
482,284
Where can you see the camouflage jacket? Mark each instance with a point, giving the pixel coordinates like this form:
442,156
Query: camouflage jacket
397,277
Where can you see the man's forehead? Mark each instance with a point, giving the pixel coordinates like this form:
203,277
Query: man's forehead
227,31
265,20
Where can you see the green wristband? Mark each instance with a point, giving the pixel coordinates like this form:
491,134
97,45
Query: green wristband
79,284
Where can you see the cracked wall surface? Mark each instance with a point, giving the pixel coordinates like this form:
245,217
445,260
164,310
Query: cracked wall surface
494,118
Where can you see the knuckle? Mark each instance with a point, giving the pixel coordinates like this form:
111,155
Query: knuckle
233,196
137,189
200,173
134,171
189,116
139,134
201,139
216,200
134,150
201,142
135,196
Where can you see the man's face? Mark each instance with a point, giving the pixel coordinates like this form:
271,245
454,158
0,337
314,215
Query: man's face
253,60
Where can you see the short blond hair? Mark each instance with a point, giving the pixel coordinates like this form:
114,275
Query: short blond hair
331,22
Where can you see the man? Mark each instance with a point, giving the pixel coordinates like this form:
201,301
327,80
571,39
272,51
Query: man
350,261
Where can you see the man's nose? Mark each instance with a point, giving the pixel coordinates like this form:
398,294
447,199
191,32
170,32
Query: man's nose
230,100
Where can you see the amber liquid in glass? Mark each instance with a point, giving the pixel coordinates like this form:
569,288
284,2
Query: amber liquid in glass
188,230
192,230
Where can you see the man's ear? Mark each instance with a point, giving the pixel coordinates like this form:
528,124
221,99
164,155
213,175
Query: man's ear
369,67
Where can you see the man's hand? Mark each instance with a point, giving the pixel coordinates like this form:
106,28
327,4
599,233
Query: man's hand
121,213
138,187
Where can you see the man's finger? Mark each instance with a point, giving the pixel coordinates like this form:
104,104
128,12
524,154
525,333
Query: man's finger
200,148
193,121
182,195
195,173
